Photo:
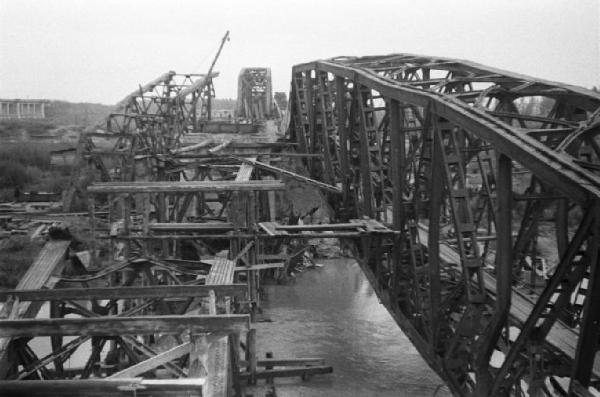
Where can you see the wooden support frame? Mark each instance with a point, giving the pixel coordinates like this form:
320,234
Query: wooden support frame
133,292
105,326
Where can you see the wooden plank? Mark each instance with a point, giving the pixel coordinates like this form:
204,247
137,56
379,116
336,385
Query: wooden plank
245,171
290,174
322,227
288,372
218,363
189,186
44,265
144,292
260,266
288,362
198,357
104,326
102,387
270,228
154,362
221,272
192,227
39,274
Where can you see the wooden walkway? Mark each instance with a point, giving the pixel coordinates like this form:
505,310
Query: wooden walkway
218,382
221,271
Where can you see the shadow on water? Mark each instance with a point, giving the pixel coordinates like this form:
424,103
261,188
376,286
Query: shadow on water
332,312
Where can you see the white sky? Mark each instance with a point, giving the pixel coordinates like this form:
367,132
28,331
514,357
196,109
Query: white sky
100,50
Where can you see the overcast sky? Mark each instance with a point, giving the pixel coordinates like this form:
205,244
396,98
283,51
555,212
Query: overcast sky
100,50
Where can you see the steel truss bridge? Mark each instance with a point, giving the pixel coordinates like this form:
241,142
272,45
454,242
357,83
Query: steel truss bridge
479,172
469,196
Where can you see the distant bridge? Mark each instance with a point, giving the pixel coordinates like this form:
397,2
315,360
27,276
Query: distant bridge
489,180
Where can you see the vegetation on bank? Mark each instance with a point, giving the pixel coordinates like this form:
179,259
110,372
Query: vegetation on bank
25,166
12,128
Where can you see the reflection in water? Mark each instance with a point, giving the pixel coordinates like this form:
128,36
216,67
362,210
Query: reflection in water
333,313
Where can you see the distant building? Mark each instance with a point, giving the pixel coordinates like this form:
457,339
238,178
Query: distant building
23,108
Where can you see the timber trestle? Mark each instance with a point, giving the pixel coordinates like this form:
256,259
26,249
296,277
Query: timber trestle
163,300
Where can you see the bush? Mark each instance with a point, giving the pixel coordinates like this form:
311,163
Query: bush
36,127
13,175
26,154
53,181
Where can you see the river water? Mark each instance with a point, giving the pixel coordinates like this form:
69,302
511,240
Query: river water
332,312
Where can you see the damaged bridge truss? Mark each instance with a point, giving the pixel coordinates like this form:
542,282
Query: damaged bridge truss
489,181
163,302
147,123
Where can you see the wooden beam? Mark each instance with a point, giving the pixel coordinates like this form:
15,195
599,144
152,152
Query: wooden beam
154,362
192,227
102,387
145,292
189,186
320,227
288,372
103,326
288,362
245,171
218,366
290,174
49,260
260,266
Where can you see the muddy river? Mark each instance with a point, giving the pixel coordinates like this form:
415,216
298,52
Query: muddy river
333,313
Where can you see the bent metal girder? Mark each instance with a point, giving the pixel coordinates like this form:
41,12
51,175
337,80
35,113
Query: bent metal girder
489,178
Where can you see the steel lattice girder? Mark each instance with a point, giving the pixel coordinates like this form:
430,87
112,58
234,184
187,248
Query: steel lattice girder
403,135
147,123
255,94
